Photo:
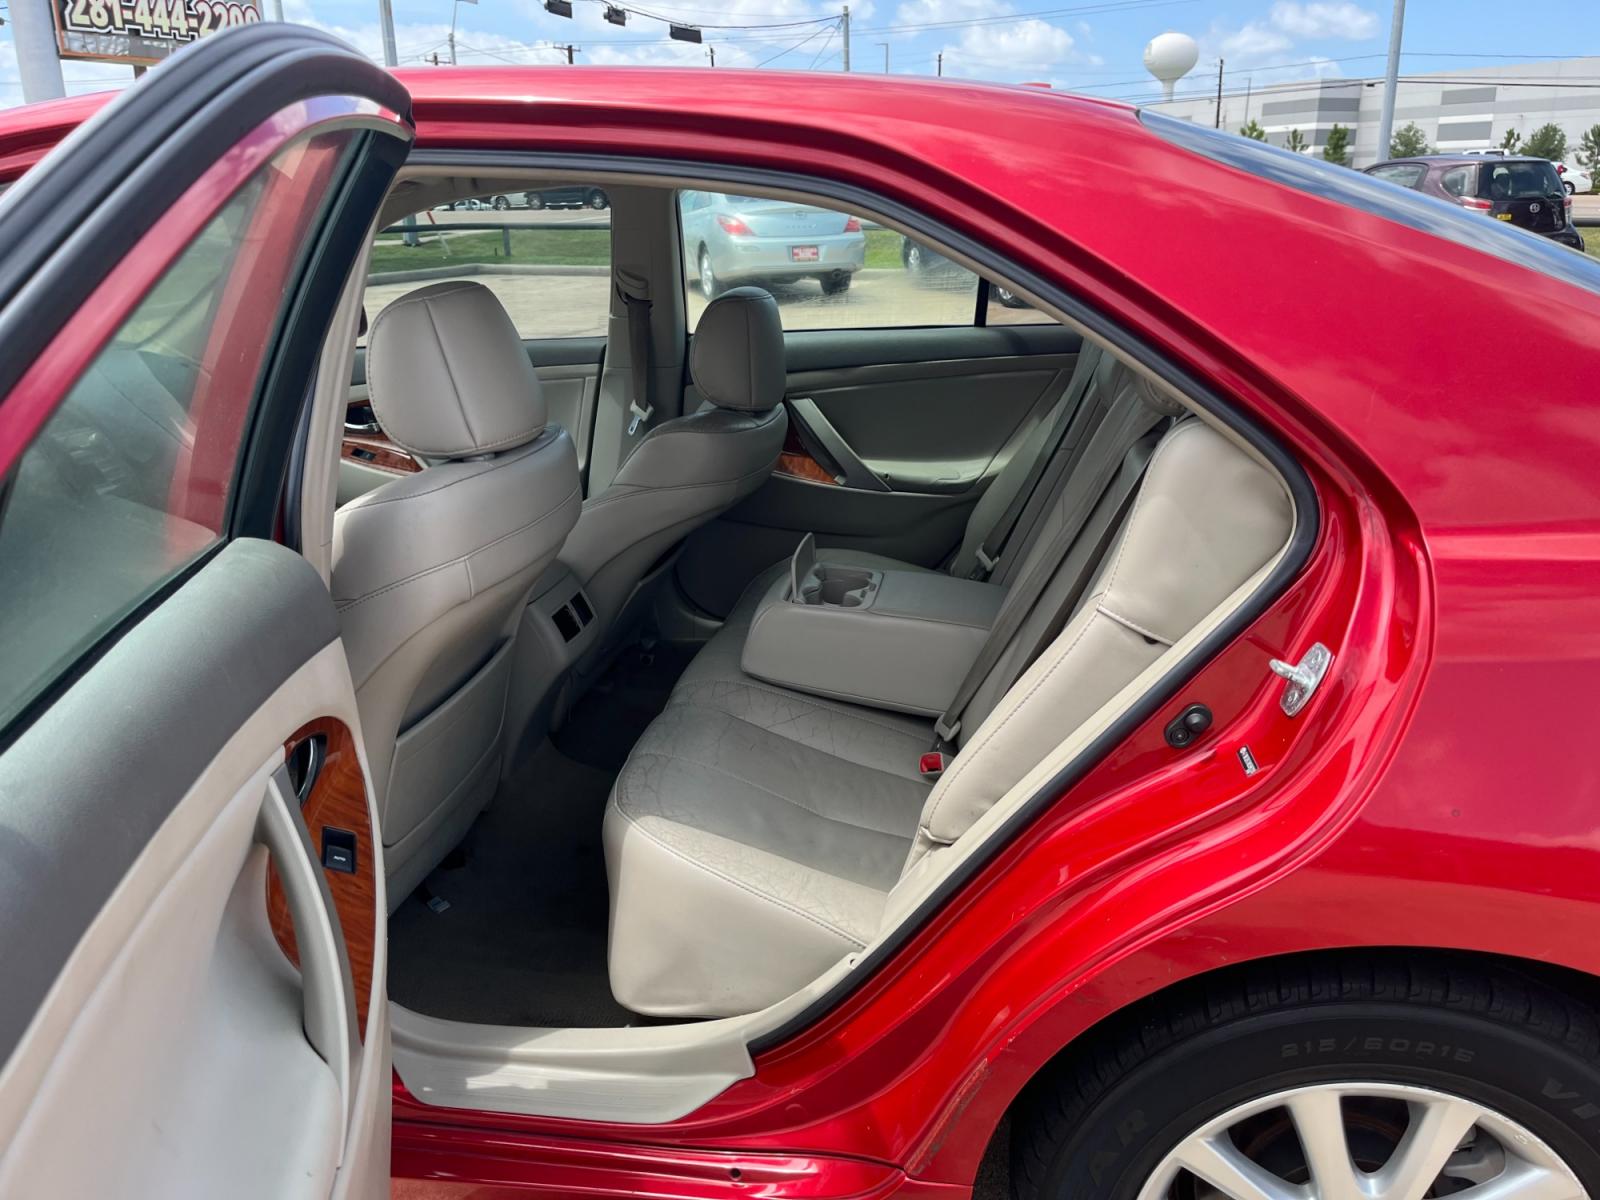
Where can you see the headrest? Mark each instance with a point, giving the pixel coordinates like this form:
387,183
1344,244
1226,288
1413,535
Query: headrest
448,374
736,358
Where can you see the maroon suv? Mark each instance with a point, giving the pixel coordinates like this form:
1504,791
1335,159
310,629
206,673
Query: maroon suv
1523,191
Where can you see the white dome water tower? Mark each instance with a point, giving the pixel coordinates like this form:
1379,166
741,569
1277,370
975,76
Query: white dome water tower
1169,57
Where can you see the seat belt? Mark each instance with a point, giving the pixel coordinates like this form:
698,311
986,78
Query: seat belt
993,544
634,292
1125,426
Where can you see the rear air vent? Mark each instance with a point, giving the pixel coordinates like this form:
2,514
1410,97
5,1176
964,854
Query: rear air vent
567,623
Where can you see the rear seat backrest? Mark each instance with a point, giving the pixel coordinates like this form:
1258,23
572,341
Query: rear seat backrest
1206,518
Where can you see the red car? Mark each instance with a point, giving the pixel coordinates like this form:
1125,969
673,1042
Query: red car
1134,746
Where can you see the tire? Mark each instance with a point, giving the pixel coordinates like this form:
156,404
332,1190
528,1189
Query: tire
1103,1122
598,200
915,258
1009,298
710,286
1571,188
501,203
836,284
535,201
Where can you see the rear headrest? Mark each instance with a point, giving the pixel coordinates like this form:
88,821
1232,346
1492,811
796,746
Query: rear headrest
736,358
448,374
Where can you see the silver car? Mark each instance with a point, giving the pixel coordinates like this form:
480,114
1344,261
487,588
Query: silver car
728,240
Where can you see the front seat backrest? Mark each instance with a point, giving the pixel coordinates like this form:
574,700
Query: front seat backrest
686,471
431,572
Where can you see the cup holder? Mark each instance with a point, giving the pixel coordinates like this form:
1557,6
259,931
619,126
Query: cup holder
838,587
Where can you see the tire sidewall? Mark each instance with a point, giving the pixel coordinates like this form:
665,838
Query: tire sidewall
1124,1135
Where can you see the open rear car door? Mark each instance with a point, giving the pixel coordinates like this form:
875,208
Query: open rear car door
192,940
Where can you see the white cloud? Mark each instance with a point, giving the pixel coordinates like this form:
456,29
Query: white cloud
992,51
1320,19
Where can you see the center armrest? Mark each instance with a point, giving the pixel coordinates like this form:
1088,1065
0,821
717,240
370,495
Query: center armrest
900,640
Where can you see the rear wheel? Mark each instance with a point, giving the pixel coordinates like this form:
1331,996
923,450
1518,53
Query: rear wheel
836,283
501,203
535,201
1009,298
710,285
1321,1083
1572,188
597,199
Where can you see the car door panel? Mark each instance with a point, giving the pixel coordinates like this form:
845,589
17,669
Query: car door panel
143,979
184,978
894,436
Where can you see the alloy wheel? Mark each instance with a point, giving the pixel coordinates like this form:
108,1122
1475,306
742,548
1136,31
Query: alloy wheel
1362,1141
708,277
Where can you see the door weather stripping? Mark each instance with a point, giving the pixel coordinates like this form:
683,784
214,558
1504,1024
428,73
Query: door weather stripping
1303,679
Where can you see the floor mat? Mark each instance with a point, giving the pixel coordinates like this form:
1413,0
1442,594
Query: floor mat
522,940
611,716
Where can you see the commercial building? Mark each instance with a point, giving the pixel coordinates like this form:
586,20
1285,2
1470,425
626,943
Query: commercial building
1467,109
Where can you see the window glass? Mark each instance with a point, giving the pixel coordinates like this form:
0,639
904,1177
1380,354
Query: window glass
129,480
827,269
1522,181
1457,181
545,253
1405,174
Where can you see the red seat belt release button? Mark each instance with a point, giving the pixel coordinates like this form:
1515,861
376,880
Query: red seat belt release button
933,763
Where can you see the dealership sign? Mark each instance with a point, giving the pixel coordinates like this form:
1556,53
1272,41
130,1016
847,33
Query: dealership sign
142,31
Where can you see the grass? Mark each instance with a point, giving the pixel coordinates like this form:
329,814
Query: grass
592,248
546,247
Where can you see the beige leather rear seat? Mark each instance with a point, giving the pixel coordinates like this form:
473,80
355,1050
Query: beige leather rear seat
756,833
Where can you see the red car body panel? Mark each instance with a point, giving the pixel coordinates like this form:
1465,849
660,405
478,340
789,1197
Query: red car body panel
1440,790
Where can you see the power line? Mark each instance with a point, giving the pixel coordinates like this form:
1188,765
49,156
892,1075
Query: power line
811,37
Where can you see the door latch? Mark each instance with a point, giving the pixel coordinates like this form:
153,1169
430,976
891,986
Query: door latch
1303,677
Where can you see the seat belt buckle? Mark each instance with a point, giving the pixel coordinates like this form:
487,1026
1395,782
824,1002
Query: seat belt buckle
986,564
640,415
932,764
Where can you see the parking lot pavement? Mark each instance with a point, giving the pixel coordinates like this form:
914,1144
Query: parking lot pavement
573,305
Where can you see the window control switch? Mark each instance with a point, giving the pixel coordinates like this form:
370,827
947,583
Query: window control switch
338,850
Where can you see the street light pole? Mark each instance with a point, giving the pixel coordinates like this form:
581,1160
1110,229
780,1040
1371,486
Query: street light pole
885,46
1391,81
1218,123
844,25
33,34
391,56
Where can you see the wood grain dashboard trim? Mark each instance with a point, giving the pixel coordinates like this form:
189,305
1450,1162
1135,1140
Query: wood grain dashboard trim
337,801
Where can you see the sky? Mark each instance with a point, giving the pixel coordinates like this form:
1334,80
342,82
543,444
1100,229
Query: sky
1077,45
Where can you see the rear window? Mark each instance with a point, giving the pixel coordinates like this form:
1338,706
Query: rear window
1519,181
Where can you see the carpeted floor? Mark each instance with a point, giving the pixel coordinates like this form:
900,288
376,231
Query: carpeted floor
523,939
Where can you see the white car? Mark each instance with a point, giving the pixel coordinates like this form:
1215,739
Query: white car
1574,179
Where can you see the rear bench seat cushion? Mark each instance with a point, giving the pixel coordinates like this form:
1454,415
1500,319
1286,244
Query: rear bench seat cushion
753,836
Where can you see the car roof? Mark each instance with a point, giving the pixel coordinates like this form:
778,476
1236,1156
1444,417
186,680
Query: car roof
1462,158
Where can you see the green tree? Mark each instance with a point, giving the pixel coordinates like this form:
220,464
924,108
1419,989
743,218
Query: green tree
1295,142
1408,142
1511,141
1336,149
1547,141
1589,149
1252,130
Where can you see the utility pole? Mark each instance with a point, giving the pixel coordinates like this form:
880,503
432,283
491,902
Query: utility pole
391,56
571,50
711,52
1218,124
1391,81
844,24
33,33
885,46
940,71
